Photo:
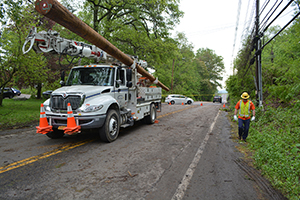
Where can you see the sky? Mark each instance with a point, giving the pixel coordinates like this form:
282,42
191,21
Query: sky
212,24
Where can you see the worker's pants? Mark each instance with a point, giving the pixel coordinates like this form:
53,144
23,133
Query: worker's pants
244,128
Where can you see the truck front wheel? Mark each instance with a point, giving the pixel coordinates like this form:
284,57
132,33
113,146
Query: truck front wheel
110,129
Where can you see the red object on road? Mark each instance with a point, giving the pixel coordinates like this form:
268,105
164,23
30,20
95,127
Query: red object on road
43,127
71,124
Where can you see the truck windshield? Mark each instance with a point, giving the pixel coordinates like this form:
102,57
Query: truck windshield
102,76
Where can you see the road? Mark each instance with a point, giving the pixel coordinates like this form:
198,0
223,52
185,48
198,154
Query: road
189,154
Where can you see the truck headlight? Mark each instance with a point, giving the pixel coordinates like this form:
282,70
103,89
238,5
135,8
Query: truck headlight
90,108
47,108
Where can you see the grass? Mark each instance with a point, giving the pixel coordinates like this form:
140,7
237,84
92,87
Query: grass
275,139
274,142
19,113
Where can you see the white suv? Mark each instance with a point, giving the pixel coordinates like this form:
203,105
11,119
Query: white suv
178,99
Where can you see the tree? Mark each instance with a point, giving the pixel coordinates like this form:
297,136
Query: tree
11,55
210,66
14,62
151,16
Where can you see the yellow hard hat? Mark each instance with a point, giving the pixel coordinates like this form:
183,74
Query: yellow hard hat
245,95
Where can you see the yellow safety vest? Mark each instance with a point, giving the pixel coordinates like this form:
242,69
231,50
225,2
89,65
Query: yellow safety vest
244,109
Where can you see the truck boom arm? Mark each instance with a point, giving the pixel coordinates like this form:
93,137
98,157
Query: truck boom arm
58,13
51,42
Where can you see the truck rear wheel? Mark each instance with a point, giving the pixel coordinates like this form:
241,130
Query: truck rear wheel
150,119
55,134
110,129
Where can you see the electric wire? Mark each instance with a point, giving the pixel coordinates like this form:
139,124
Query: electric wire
264,23
244,27
263,20
274,35
249,22
264,6
281,29
237,24
267,26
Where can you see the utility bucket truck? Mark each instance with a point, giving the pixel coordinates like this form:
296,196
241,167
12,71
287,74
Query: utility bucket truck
102,96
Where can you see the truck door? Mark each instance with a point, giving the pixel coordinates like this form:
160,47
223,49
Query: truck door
121,91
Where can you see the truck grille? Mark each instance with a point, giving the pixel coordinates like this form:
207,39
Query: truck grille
60,103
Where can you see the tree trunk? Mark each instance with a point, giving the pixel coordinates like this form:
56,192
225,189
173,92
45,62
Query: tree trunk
1,99
39,91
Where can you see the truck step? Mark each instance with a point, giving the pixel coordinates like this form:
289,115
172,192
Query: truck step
125,125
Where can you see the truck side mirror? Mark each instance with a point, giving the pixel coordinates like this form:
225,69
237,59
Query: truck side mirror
62,83
129,75
62,77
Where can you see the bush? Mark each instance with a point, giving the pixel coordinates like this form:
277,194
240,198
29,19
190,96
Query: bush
275,140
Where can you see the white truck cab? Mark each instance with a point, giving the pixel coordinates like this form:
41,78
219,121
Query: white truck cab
104,97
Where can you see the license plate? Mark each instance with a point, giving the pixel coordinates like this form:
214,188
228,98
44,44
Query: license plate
61,127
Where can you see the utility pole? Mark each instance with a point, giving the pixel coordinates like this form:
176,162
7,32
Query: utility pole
257,42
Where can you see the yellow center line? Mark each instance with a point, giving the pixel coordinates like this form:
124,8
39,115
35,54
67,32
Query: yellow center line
42,156
62,149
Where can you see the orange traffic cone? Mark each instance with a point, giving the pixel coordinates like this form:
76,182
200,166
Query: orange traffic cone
224,105
169,103
182,103
201,104
71,124
43,127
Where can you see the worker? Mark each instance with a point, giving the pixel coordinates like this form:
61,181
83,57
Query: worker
245,107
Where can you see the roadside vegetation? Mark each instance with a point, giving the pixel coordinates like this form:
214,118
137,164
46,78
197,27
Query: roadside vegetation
19,113
274,137
275,141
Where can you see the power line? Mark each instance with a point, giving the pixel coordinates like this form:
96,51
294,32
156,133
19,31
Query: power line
237,24
264,6
209,31
264,23
267,26
249,21
246,17
282,29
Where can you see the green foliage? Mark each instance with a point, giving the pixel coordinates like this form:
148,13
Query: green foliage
209,67
275,139
152,16
10,9
15,67
19,113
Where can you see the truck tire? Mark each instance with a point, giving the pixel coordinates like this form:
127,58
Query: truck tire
55,134
110,129
150,119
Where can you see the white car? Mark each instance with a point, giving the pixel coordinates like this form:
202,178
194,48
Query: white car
178,99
